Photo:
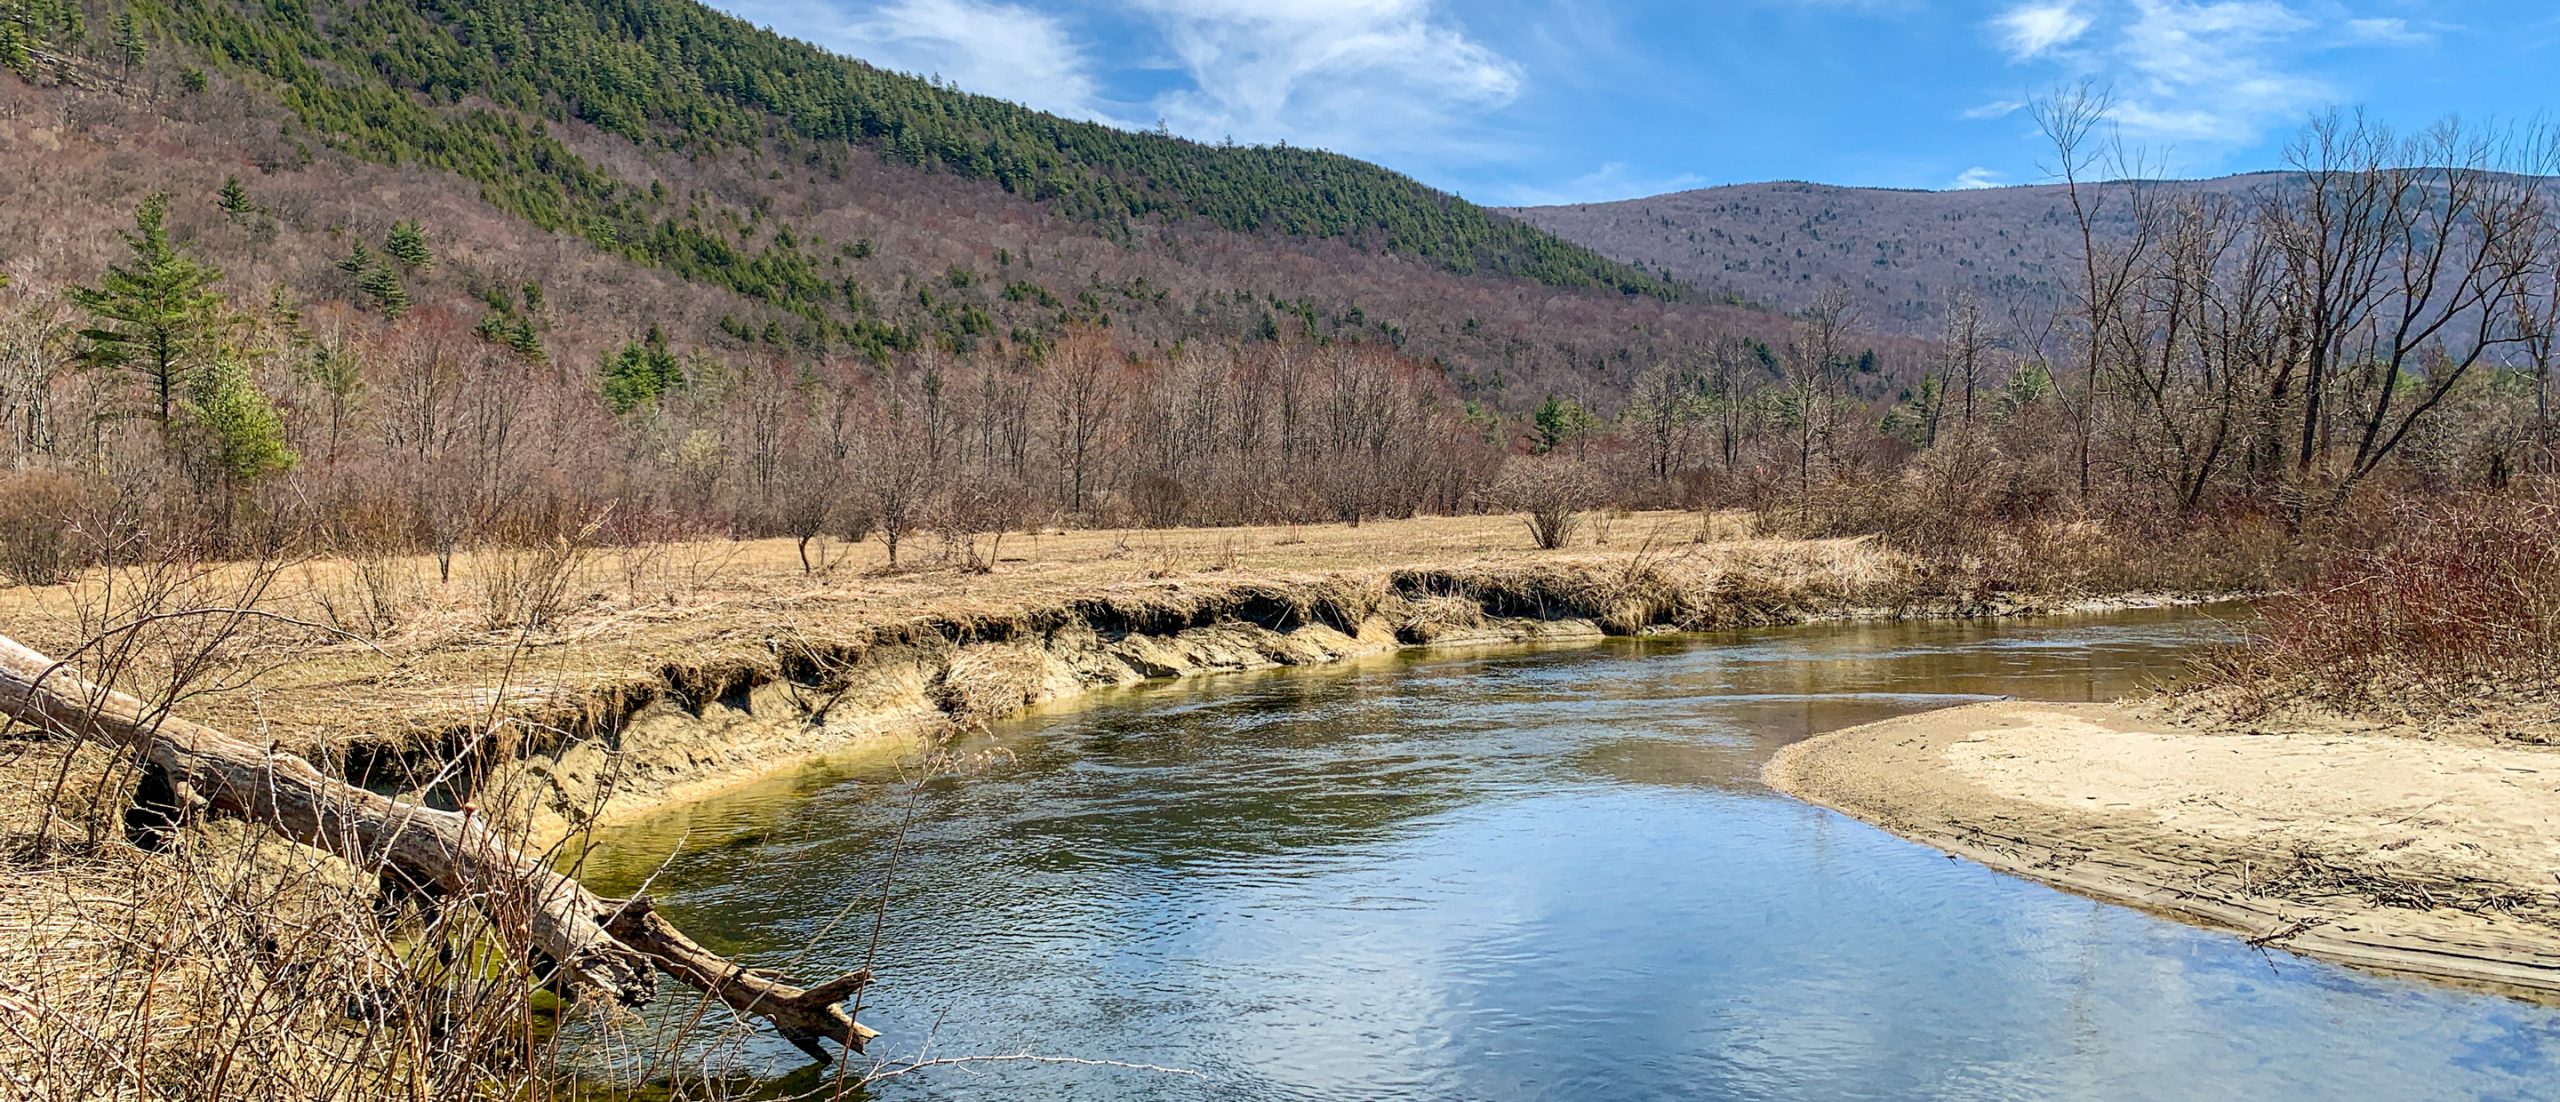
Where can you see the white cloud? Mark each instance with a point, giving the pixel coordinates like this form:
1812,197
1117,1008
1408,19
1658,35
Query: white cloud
2390,31
1612,181
1362,76
2038,27
985,46
1974,179
1996,109
2198,72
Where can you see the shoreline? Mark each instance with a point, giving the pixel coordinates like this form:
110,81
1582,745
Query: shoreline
2384,851
670,753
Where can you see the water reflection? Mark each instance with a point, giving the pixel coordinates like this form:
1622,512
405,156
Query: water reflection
1544,874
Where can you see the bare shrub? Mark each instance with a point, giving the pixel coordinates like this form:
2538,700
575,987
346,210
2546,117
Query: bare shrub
980,506
1553,493
37,510
529,587
2458,606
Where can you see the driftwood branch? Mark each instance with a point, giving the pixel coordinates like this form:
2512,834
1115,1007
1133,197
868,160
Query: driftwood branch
607,948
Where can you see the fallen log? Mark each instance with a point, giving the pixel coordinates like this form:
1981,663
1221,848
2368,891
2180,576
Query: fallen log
578,941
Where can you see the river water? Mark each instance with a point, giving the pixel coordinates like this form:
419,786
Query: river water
1534,874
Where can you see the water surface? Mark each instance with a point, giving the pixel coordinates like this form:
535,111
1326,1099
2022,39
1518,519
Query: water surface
1548,874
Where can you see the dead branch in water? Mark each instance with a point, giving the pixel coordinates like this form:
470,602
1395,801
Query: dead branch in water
573,938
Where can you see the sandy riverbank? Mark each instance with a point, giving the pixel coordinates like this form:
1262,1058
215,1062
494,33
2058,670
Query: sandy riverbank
2435,855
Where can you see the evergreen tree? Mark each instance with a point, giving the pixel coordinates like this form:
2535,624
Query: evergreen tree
193,80
382,285
131,47
408,245
637,374
1561,421
358,260
243,433
155,314
235,199
16,54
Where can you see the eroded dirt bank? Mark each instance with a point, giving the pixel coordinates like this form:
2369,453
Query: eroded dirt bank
694,732
2436,856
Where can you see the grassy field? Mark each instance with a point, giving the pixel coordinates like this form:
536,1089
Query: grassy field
383,648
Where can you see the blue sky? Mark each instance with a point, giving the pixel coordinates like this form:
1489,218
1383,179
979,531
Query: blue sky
1541,101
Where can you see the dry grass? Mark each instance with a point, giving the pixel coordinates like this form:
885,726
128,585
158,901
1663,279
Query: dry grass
437,656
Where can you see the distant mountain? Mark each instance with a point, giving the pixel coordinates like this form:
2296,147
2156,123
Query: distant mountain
1902,254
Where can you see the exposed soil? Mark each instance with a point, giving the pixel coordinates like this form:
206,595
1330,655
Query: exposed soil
2435,854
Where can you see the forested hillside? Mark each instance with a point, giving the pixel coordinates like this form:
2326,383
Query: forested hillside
853,211
1903,255
400,81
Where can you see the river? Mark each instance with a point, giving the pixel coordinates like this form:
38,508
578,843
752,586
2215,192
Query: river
1532,874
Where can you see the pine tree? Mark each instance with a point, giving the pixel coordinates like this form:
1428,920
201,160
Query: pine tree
130,45
243,433
235,199
157,313
382,285
358,261
16,54
638,373
408,245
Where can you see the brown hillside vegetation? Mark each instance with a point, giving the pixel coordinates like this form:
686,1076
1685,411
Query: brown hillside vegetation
935,258
1904,254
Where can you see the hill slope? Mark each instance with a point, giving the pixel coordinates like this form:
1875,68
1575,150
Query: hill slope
753,192
1902,254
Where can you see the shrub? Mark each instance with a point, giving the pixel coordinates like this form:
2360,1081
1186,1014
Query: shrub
2458,602
1553,493
37,510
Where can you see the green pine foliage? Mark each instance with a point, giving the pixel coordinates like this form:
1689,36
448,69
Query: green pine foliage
243,433
15,53
637,374
235,199
398,82
131,47
155,314
408,245
30,27
517,332
382,288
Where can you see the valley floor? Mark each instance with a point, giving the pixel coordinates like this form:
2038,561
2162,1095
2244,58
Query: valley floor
2434,853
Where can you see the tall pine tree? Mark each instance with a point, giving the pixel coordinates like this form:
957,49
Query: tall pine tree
156,314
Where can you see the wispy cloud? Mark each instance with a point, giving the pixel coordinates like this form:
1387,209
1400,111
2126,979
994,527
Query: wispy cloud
1362,76
2388,31
986,46
2208,73
1974,179
2038,27
1610,182
1996,109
